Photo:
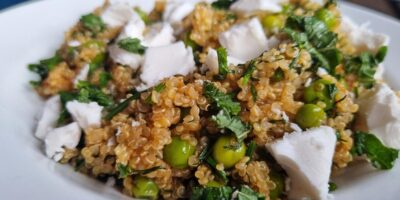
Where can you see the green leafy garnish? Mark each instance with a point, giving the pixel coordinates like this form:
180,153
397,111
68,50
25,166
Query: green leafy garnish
232,123
121,106
278,75
143,15
382,157
223,101
125,171
44,67
251,149
213,164
249,71
64,115
246,193
104,78
222,61
253,92
97,62
92,23
160,87
223,4
132,45
211,193
365,65
87,93
331,90
332,186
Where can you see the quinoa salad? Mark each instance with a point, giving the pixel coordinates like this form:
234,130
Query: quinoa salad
218,99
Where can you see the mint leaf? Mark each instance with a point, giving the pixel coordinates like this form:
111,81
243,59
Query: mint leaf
246,193
222,61
382,157
232,123
223,101
92,23
132,45
211,193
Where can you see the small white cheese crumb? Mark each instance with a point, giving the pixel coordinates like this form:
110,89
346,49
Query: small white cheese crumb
145,5
124,57
117,15
363,38
48,120
245,41
135,123
83,75
211,62
285,117
74,43
67,136
159,34
111,142
381,109
295,127
118,132
307,159
86,114
174,59
321,72
308,82
245,6
176,11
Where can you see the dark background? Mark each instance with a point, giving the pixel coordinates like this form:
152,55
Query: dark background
390,7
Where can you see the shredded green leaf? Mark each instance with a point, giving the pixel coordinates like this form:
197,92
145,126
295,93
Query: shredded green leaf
253,92
93,23
278,75
213,164
222,61
121,106
223,101
143,15
97,62
160,87
248,73
223,4
132,45
87,93
251,149
104,78
125,171
382,157
211,193
332,186
44,67
232,123
246,193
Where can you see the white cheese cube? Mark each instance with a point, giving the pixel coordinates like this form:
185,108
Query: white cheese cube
165,61
211,62
48,120
86,114
307,158
67,136
381,110
245,41
245,6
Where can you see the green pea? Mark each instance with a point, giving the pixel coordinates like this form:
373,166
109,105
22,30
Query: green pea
327,17
279,181
228,151
310,115
321,90
177,153
144,188
273,22
214,183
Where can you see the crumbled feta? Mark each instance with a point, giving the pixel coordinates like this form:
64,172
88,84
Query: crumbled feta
211,62
175,11
145,5
245,41
321,72
86,114
171,60
273,6
74,43
118,14
48,120
307,158
308,82
83,74
381,110
124,57
295,127
361,37
67,136
159,34
133,29
135,123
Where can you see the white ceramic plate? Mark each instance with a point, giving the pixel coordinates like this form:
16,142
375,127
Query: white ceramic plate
33,31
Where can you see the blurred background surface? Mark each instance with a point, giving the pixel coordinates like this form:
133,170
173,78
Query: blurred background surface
389,7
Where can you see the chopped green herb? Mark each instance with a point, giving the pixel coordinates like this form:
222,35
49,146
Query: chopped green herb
381,54
64,115
232,123
246,193
92,23
205,153
44,67
249,72
222,61
213,164
278,75
143,15
251,149
125,171
121,106
132,45
332,186
211,193
160,87
97,62
382,157
104,78
253,92
223,4
88,93
332,90
223,101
